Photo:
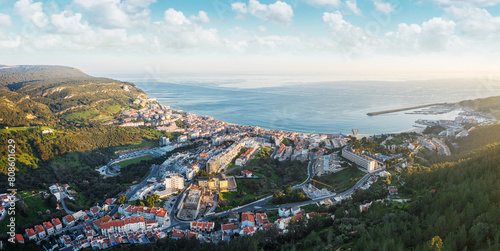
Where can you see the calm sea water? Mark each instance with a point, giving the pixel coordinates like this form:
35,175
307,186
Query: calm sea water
318,107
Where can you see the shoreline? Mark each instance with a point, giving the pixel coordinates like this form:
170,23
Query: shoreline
417,130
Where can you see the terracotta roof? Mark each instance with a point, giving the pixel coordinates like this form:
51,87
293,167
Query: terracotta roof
262,218
56,222
39,229
247,217
229,226
47,225
69,218
249,229
19,237
30,232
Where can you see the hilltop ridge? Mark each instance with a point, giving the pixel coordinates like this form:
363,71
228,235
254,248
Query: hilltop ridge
46,95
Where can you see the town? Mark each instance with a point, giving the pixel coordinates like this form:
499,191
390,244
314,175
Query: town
192,182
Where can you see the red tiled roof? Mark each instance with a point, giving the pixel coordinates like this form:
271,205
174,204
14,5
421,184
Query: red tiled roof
262,218
249,229
30,232
247,217
19,237
69,218
47,225
56,222
229,226
39,229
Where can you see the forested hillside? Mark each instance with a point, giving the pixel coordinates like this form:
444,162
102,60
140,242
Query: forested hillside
68,102
487,105
49,95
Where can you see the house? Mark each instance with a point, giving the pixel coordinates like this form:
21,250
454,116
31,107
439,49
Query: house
248,230
30,233
79,215
49,228
365,207
94,211
69,220
295,210
310,215
57,224
201,226
283,223
109,201
40,231
283,212
266,226
178,234
247,220
19,238
393,190
229,228
233,217
261,219
247,173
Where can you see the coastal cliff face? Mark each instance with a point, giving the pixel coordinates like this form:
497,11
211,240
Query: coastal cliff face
46,95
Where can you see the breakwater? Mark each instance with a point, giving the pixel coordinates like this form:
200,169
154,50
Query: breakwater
403,109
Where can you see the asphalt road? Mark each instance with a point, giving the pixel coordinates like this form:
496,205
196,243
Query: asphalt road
64,205
137,187
261,204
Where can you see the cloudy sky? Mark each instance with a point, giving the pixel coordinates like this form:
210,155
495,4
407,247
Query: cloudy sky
339,39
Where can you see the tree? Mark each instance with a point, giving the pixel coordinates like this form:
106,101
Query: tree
436,243
121,199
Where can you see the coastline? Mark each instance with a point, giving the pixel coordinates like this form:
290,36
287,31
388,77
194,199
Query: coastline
417,130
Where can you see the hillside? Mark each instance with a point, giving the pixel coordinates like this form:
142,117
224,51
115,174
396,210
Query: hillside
486,105
49,95
68,101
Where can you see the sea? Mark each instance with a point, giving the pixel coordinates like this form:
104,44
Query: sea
316,107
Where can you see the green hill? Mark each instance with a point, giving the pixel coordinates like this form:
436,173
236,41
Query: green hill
34,98
49,95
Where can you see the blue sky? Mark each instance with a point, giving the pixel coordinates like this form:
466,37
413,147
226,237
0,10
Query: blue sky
338,39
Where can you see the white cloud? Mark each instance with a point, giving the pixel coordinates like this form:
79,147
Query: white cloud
468,2
434,35
5,20
112,14
177,31
176,18
383,6
353,7
31,11
201,18
262,28
68,23
330,3
278,12
240,9
348,37
475,22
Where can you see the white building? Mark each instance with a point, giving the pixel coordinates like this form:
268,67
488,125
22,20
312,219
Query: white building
173,181
370,164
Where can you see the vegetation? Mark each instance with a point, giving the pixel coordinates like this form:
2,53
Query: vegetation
181,123
273,175
434,129
342,180
288,196
287,142
134,160
487,105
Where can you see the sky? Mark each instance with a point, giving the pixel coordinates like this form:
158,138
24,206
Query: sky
311,39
